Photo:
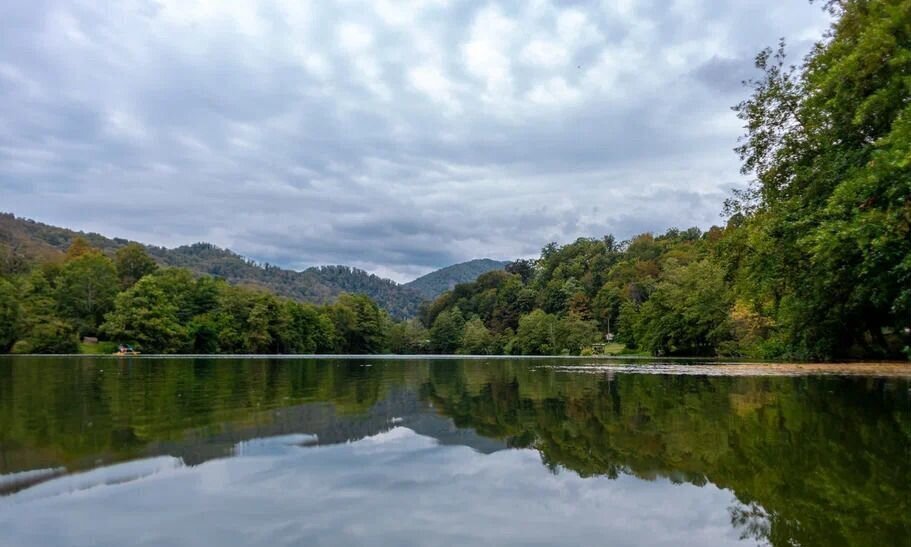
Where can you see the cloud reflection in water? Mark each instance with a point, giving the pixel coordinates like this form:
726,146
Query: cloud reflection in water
395,488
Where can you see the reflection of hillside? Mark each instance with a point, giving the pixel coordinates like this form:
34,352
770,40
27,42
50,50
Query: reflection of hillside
77,415
811,460
399,408
86,412
808,458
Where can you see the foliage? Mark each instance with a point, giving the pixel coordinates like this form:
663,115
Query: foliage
688,312
446,332
171,310
147,315
564,301
132,263
49,336
537,334
85,289
828,221
360,326
408,338
9,314
476,338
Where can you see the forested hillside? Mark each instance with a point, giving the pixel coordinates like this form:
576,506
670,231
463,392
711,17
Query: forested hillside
24,242
131,299
437,282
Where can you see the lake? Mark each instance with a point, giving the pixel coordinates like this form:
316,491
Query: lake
414,451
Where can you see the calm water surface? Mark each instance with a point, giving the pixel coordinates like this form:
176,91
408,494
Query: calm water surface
193,451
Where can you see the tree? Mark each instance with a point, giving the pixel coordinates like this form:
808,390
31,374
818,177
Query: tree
307,330
51,335
828,144
132,262
537,334
40,329
606,307
524,268
688,312
258,330
147,315
85,290
409,337
79,247
476,338
575,332
9,314
360,326
446,332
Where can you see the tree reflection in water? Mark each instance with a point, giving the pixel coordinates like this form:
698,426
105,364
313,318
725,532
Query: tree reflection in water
811,460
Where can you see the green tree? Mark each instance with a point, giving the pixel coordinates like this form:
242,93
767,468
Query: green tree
409,337
50,335
446,332
537,334
524,268
476,338
575,333
307,330
688,313
132,262
148,315
360,326
828,144
9,314
85,290
257,332
40,329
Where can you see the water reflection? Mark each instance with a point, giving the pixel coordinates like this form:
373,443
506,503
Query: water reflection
395,488
103,476
775,460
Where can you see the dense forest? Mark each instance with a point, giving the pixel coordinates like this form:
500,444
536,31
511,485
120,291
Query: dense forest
129,299
812,262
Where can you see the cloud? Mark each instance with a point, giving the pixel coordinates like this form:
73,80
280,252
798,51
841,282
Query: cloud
395,138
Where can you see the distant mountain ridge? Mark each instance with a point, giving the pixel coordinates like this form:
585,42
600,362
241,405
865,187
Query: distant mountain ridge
437,282
23,241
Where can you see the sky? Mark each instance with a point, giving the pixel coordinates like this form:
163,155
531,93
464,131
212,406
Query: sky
394,137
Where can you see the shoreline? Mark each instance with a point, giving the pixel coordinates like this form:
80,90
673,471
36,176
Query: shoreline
690,366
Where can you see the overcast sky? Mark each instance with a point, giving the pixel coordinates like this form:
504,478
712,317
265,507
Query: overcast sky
394,137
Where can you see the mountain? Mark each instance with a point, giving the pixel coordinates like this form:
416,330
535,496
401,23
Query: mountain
24,241
436,283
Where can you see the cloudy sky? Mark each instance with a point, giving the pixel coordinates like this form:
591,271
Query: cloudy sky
396,137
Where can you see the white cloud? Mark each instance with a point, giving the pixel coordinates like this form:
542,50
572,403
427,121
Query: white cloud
431,81
371,134
553,92
545,53
487,52
354,37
